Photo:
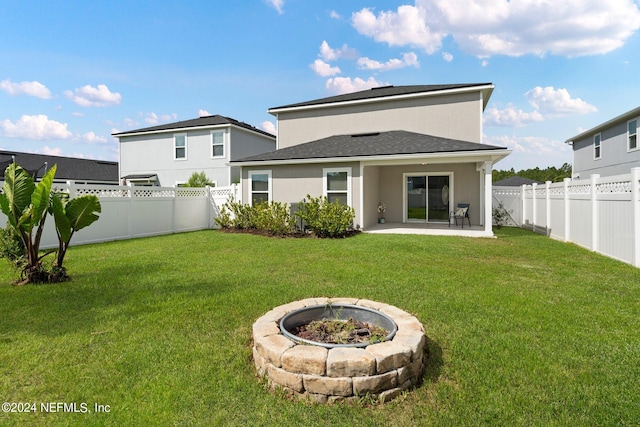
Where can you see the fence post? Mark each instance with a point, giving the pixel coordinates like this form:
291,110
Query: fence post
547,212
635,209
534,204
523,205
567,216
174,222
595,220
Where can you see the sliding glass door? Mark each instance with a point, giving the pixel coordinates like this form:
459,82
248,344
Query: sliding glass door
427,197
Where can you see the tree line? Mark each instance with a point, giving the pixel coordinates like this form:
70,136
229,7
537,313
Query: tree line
552,174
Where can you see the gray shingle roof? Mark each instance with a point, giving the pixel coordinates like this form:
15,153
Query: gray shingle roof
69,168
381,92
372,144
195,123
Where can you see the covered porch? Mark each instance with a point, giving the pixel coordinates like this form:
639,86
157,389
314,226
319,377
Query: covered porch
418,198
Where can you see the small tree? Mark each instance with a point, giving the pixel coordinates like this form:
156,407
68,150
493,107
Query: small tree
199,179
26,205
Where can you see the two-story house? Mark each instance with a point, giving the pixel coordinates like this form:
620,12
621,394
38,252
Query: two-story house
611,148
167,155
417,149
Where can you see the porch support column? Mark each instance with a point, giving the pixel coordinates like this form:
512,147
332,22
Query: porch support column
488,192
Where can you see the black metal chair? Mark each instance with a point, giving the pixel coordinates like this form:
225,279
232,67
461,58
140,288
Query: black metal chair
461,212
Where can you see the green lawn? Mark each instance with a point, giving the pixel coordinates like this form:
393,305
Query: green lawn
523,330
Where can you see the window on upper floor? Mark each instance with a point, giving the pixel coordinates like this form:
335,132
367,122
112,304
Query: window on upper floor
633,135
180,146
259,186
337,185
217,144
596,146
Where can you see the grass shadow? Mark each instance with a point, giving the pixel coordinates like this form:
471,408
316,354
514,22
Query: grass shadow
433,363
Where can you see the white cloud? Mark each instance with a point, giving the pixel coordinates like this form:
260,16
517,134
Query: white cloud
447,56
340,85
37,127
323,69
547,103
203,113
531,151
130,123
499,27
89,96
154,119
278,5
511,117
407,26
77,114
34,88
329,54
57,151
91,138
268,126
408,60
552,102
335,15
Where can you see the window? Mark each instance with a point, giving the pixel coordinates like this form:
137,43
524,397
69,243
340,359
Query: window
180,146
337,185
596,146
633,135
217,144
259,186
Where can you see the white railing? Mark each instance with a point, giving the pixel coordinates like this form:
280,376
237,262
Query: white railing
130,212
600,213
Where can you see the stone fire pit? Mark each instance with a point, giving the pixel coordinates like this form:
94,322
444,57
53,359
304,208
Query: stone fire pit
328,374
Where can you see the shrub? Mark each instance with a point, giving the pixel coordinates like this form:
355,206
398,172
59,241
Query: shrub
274,218
326,219
271,217
11,247
500,215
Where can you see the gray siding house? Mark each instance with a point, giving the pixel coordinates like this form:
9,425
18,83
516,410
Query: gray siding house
611,148
168,154
417,149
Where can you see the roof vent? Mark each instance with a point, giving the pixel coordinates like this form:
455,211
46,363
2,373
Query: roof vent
360,135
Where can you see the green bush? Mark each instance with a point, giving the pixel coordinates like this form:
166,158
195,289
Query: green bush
272,217
501,215
11,247
326,219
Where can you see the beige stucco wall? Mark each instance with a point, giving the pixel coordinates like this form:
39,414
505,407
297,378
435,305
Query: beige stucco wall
453,116
292,183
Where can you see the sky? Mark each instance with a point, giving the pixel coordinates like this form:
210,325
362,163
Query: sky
72,73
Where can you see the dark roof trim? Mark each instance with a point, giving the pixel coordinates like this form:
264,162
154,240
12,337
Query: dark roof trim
200,122
368,146
386,92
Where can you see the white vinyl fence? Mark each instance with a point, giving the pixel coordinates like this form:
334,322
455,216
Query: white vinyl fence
130,212
600,213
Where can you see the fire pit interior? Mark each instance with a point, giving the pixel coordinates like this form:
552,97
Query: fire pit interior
380,366
342,325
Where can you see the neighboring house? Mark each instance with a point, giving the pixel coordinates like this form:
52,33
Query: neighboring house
84,171
515,181
611,148
417,149
167,155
